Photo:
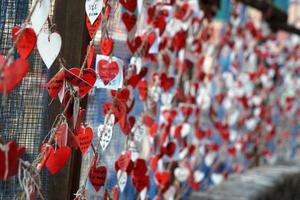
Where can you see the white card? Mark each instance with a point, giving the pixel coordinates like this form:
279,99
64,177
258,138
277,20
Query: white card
49,46
40,14
117,82
93,9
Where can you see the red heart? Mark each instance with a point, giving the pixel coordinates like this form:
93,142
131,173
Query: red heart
92,28
134,79
179,39
160,23
107,71
26,41
10,159
85,82
166,82
186,110
181,11
46,150
97,176
141,182
140,168
61,135
123,161
129,4
134,44
122,95
84,138
162,178
106,46
56,83
116,193
143,89
170,149
153,162
58,159
12,74
129,20
91,56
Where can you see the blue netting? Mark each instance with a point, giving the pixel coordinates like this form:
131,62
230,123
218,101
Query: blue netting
23,112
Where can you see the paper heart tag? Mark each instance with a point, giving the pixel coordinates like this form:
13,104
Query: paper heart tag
140,183
84,138
40,14
116,193
58,159
143,89
217,178
61,135
134,44
10,154
139,131
110,72
170,193
181,174
106,46
49,46
92,28
209,159
162,178
129,21
124,161
105,134
55,85
122,179
91,56
198,176
12,74
85,82
129,4
107,70
26,42
97,176
93,9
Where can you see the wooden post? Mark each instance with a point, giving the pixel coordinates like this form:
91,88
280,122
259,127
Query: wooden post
69,17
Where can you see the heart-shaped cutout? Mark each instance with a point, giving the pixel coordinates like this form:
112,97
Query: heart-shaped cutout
58,159
107,70
84,138
93,9
97,176
26,40
40,14
129,21
12,74
49,46
85,82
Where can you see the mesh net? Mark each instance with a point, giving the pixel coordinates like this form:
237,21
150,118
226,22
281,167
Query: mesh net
23,112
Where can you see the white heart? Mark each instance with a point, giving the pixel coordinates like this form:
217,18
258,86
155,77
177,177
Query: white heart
217,178
181,174
185,130
170,193
105,134
139,131
40,14
122,179
209,159
143,194
49,46
93,9
198,176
